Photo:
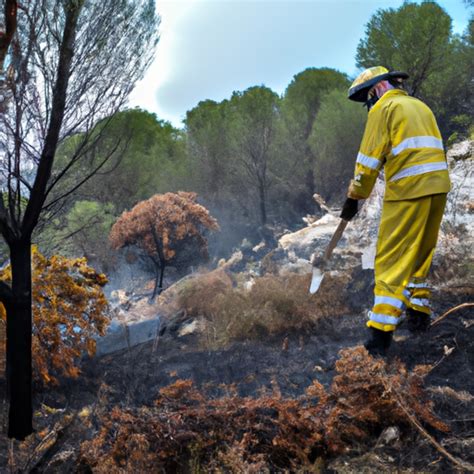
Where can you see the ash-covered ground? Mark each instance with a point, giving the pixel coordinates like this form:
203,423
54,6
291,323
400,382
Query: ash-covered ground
287,363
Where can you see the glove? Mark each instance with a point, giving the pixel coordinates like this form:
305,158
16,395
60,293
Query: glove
349,209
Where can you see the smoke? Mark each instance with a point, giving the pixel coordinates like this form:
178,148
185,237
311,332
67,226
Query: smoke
131,276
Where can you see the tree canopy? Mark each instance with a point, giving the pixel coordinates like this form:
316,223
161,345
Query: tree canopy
418,39
151,159
335,140
300,105
207,147
253,116
303,97
169,228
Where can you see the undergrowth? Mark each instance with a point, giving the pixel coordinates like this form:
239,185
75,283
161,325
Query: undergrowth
457,262
187,431
269,305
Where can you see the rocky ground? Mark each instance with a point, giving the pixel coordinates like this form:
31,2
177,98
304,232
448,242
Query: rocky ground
285,364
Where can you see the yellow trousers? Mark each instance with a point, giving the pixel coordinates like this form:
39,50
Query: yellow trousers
406,243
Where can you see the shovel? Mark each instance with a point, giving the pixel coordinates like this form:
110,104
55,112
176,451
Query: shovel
320,263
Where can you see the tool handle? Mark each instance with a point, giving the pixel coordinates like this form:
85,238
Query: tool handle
335,239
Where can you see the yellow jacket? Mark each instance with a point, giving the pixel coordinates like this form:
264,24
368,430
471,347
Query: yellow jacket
402,136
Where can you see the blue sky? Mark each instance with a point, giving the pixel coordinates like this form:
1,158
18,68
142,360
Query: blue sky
208,49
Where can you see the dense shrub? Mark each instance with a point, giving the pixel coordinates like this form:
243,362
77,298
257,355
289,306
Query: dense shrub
186,431
268,305
69,310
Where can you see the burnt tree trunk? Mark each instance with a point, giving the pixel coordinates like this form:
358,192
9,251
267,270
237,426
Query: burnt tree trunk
159,273
10,18
263,204
160,262
19,333
17,232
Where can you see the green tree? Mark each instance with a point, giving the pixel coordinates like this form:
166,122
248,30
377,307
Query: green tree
216,173
418,39
449,91
82,231
300,106
335,139
150,158
207,133
413,38
153,161
253,117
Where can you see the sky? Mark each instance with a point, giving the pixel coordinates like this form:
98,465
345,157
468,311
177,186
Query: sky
210,48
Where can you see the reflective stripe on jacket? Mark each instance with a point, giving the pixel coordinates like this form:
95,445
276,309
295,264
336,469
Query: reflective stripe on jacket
402,136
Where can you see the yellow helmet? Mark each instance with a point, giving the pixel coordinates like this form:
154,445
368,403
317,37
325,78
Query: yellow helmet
368,78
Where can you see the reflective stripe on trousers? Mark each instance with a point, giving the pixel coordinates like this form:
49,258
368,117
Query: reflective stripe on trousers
406,242
386,312
419,294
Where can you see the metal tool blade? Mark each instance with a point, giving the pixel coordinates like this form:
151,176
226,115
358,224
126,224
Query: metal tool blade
316,280
320,263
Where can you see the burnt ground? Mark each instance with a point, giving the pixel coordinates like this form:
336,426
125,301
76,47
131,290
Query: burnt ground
289,362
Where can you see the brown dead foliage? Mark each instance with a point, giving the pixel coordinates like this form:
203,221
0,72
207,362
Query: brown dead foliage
447,392
186,430
162,224
272,305
197,296
367,394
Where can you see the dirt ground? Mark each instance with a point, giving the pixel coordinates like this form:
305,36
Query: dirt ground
289,362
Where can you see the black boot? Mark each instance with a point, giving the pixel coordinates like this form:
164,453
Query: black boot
417,321
379,342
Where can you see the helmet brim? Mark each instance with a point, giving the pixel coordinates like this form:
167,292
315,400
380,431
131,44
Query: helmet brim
359,93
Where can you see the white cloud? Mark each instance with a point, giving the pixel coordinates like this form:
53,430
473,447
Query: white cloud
172,13
208,49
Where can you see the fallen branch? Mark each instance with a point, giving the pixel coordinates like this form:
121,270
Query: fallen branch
413,420
46,445
452,310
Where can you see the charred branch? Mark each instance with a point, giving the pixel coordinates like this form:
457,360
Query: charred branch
38,194
6,37
6,294
88,176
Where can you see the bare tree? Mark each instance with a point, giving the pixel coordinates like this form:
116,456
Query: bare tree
65,64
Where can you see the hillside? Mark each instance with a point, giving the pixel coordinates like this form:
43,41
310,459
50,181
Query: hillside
283,386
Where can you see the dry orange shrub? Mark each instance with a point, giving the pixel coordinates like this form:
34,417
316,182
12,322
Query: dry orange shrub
368,394
164,223
273,305
186,430
69,309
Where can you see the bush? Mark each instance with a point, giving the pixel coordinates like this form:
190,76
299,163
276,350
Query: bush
453,261
188,432
69,310
272,305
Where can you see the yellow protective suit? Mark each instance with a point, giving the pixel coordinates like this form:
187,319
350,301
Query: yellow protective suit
402,136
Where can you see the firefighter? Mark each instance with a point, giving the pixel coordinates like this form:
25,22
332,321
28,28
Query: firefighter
402,137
